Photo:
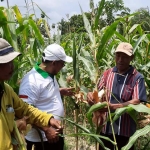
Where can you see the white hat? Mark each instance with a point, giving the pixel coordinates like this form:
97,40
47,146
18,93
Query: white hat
56,52
7,52
125,48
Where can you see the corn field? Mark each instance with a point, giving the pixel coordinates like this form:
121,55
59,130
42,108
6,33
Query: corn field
92,52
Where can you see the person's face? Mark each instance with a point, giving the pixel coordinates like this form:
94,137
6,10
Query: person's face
57,66
122,61
6,71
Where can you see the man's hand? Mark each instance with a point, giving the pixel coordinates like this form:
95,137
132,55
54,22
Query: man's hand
111,107
120,105
56,124
22,123
67,91
51,134
90,98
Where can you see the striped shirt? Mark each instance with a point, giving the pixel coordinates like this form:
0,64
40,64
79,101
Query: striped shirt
126,87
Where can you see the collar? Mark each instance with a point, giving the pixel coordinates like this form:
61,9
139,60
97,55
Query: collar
43,73
129,71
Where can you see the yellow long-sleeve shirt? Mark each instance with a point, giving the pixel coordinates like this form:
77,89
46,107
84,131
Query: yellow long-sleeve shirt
11,106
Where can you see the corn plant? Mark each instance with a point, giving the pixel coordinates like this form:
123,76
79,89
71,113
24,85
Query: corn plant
97,54
92,53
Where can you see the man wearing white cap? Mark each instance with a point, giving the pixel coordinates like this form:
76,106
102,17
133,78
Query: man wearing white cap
12,106
39,87
127,85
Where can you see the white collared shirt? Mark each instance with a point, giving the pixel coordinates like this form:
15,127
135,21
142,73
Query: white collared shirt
42,92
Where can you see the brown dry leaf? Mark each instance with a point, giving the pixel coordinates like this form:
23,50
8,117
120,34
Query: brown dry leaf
80,97
142,123
69,78
98,118
95,96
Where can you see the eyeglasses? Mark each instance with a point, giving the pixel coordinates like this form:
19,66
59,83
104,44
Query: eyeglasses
61,62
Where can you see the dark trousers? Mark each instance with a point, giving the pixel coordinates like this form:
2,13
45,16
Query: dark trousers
121,141
47,146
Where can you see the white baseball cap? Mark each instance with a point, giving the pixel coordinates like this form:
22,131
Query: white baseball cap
55,52
7,52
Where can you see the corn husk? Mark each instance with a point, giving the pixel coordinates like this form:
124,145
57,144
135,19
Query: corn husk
95,97
145,121
98,117
101,93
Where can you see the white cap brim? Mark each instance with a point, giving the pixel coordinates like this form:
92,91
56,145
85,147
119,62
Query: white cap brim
68,59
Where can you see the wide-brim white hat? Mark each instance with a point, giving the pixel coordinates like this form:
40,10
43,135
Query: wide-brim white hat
7,52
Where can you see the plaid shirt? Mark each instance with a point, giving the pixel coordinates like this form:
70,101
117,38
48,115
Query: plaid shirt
124,87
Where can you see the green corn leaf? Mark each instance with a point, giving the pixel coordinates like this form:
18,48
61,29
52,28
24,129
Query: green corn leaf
94,135
134,27
100,9
20,29
25,34
46,28
86,54
132,114
140,108
140,30
87,131
80,44
134,137
141,38
88,27
119,112
36,30
4,25
62,81
12,27
3,18
121,37
89,67
74,57
129,109
147,52
109,32
18,14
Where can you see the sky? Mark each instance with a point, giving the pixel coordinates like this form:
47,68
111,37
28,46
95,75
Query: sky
58,9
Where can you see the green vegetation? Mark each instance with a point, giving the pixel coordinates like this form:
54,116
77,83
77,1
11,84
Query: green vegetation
91,39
